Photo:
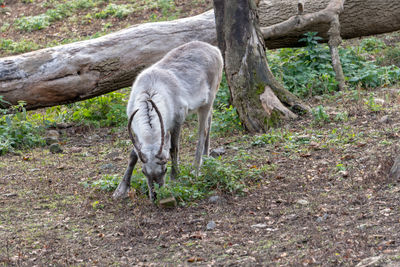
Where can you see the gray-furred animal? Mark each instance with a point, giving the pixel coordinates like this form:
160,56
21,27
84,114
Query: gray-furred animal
185,80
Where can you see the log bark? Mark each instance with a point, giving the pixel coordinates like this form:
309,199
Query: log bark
86,69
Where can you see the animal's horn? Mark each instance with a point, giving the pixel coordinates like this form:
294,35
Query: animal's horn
162,130
142,157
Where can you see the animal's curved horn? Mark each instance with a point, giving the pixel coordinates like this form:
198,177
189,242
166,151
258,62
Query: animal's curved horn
141,156
162,130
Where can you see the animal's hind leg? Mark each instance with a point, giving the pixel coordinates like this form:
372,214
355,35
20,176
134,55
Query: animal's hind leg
123,187
207,141
203,114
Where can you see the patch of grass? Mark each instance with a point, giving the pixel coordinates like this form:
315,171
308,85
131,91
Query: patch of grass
273,136
215,175
225,117
32,23
390,56
61,11
105,110
19,131
22,46
113,10
308,71
319,114
372,44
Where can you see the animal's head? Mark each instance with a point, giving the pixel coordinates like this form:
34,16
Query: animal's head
153,156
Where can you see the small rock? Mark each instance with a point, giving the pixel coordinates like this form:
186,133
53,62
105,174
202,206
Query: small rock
229,251
50,140
34,170
55,148
379,101
94,137
362,226
75,149
322,218
168,203
302,202
11,195
372,261
344,174
53,133
211,225
217,152
259,225
107,166
113,155
384,119
63,125
215,199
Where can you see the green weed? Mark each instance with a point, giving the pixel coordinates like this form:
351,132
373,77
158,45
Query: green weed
105,110
308,71
372,44
113,10
215,175
18,130
319,114
22,46
32,23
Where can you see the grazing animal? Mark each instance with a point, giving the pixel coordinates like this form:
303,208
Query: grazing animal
185,80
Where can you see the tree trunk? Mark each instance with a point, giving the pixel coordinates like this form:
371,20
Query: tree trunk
252,85
82,70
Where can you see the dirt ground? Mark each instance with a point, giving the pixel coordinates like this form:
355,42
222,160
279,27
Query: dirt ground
308,210
325,201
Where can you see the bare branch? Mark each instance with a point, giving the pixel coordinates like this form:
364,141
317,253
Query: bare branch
301,21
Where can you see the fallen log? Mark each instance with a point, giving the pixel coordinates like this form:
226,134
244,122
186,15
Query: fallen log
82,70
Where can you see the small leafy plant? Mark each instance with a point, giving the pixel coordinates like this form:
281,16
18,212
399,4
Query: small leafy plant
319,114
215,175
18,131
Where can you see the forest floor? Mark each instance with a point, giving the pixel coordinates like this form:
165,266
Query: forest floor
325,199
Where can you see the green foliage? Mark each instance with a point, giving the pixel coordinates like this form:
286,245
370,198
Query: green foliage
225,117
319,114
372,44
63,10
215,175
32,23
113,10
17,47
308,71
18,130
273,136
390,56
106,183
372,105
105,110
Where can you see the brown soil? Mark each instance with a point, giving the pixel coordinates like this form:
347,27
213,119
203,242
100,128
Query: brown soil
324,202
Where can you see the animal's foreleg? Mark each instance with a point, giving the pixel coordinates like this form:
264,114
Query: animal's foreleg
174,151
123,187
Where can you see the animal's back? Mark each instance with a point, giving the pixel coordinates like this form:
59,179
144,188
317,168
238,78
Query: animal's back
194,66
